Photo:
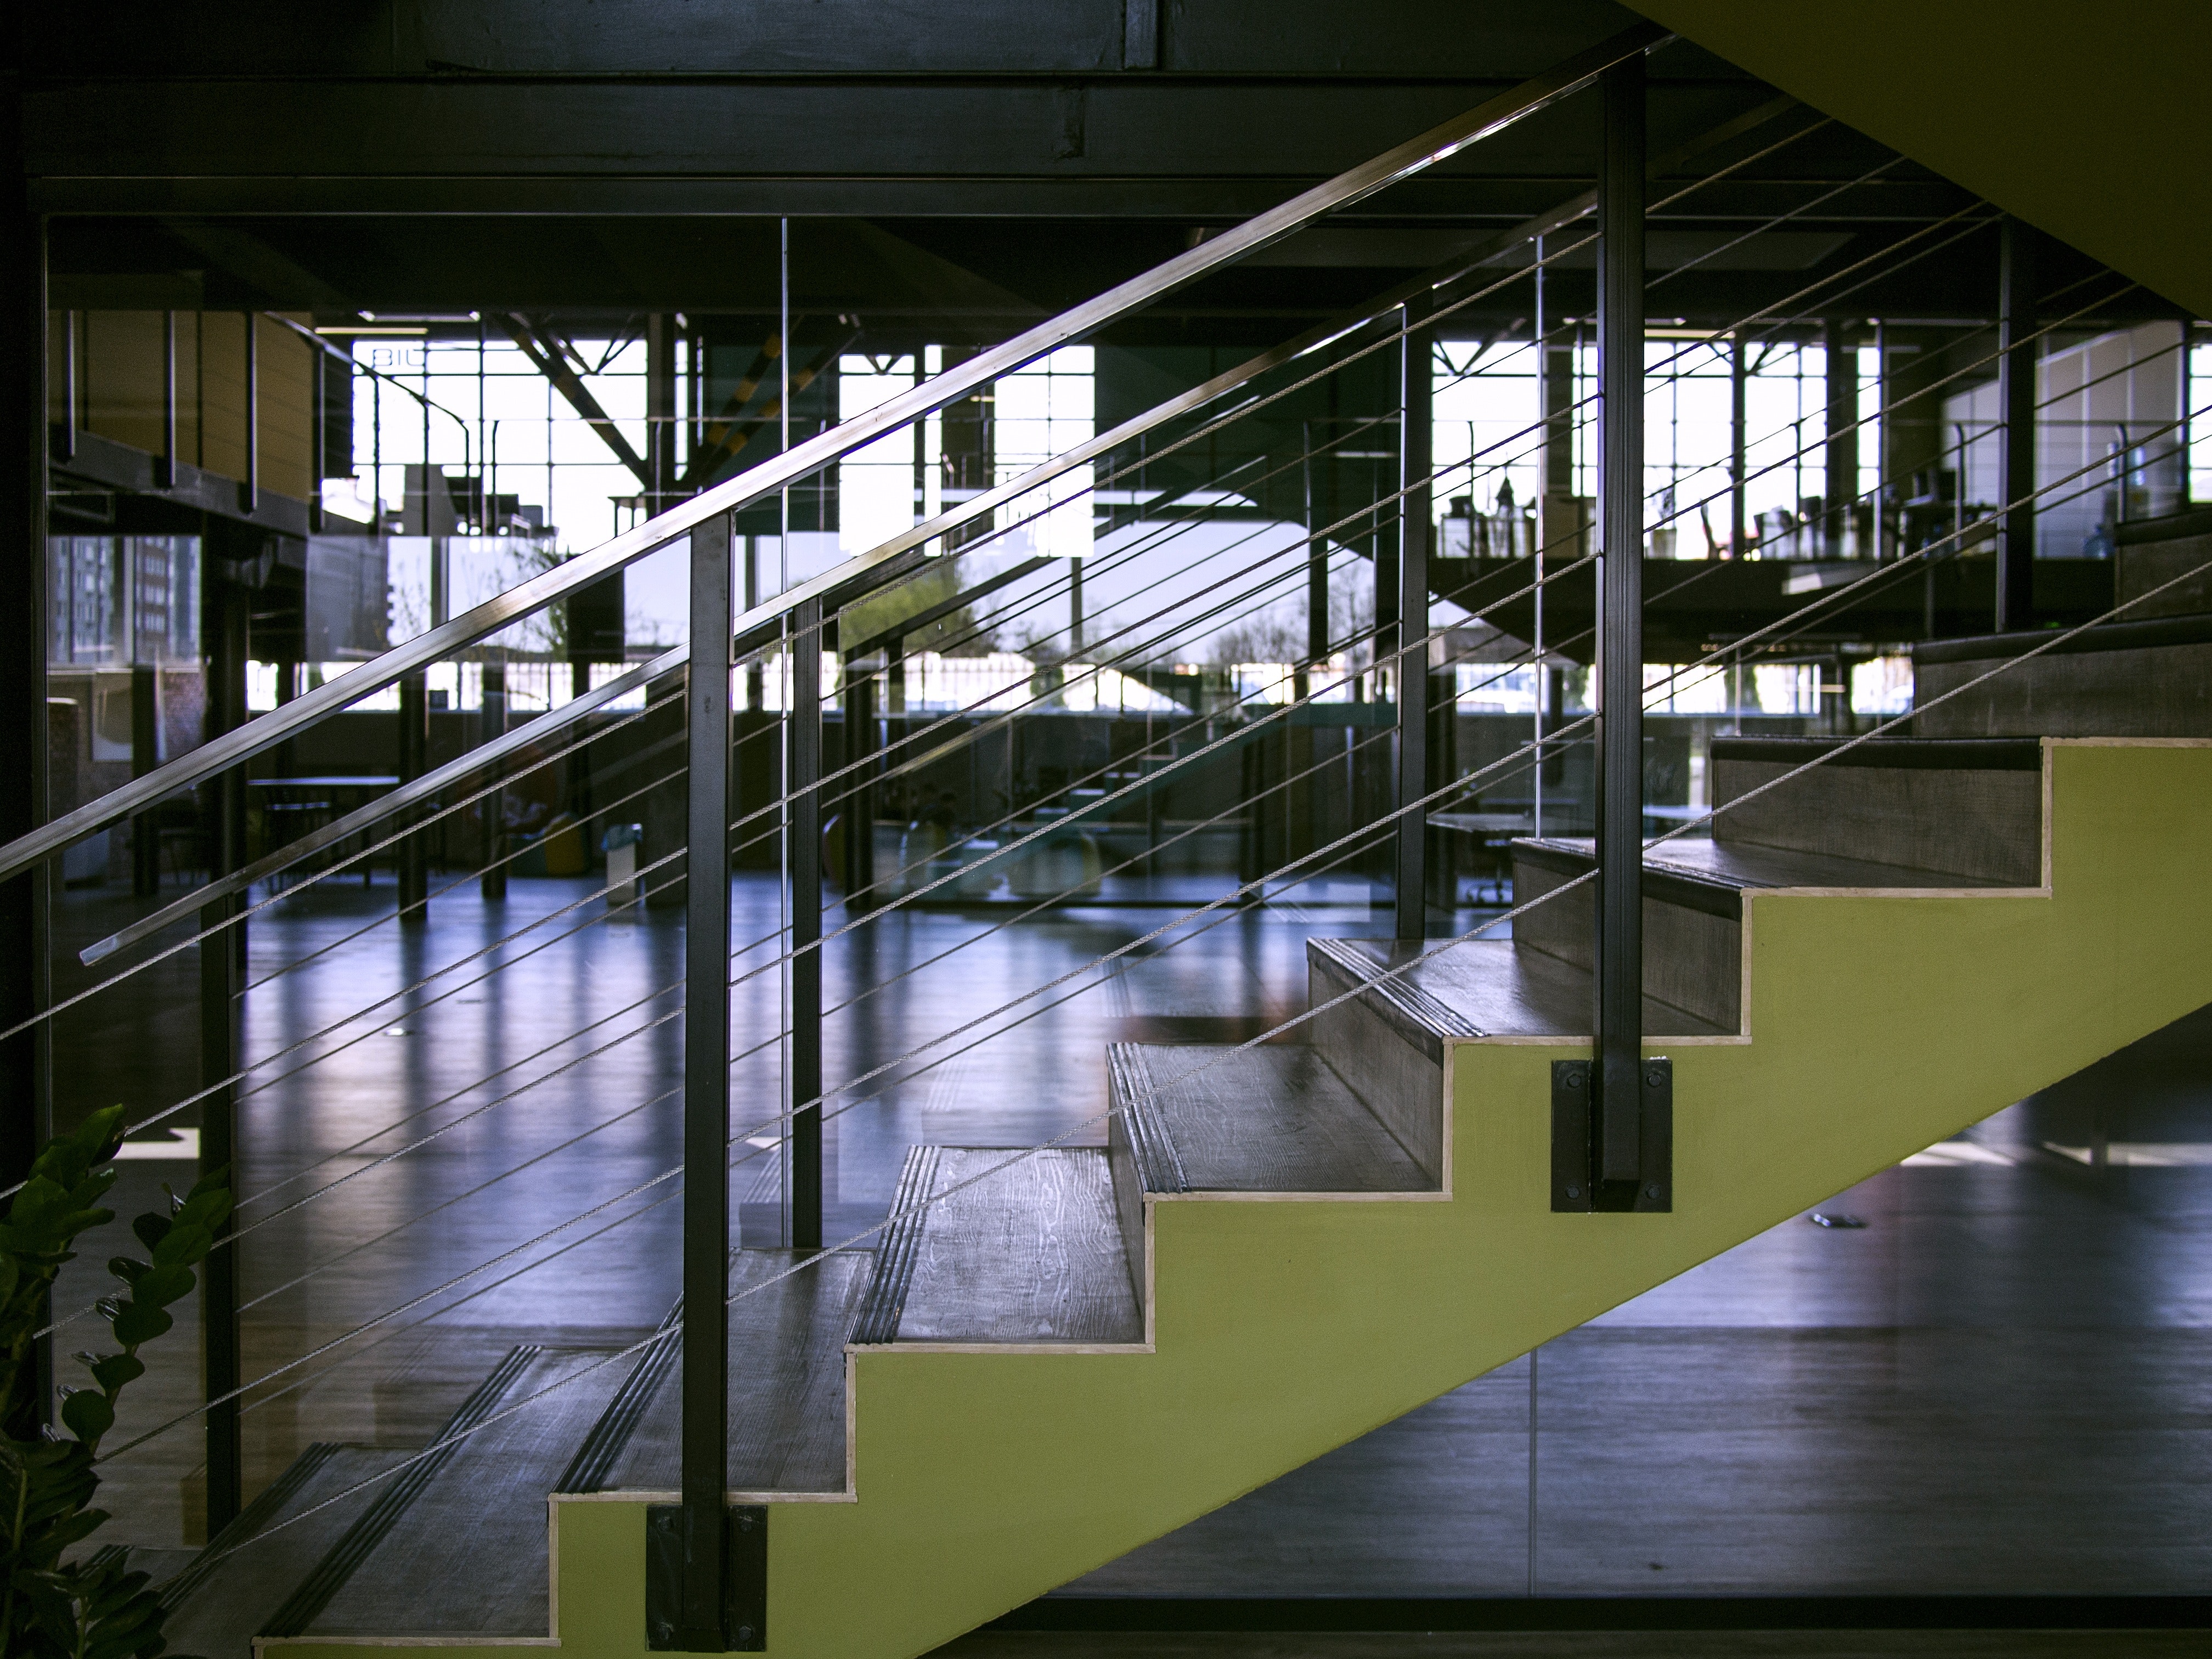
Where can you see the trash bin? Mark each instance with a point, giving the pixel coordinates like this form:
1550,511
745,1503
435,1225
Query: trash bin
620,844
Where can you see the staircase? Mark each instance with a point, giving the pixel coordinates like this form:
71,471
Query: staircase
1285,1245
1053,1353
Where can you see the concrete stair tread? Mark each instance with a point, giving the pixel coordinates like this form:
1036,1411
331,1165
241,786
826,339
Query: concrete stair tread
1739,865
1276,1118
1031,1253
467,1554
220,1602
787,1335
1487,987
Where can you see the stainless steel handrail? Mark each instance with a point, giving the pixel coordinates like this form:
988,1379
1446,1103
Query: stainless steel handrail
757,483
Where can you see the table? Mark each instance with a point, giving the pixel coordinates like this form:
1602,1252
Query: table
1493,832
308,803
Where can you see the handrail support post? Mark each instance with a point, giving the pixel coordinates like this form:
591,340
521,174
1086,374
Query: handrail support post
700,1623
1612,1124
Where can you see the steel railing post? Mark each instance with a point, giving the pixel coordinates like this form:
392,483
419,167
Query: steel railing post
1619,1109
2015,606
1416,451
414,852
706,1098
803,761
222,984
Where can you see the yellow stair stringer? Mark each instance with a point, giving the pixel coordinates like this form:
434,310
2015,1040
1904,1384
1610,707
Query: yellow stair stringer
1882,1023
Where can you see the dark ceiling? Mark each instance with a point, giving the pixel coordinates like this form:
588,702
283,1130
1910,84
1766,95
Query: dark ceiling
953,170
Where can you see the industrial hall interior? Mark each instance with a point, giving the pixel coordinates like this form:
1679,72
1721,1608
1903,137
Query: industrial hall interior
1106,829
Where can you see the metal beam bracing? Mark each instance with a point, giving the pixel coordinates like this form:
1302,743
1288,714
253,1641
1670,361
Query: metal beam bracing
722,441
706,1375
1416,454
2016,607
548,359
1617,1132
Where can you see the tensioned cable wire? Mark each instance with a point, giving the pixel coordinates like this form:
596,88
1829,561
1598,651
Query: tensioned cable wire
1487,926
1690,189
1666,277
416,1302
1880,573
1365,512
1330,369
1558,736
279,898
1934,387
533,1083
270,1083
1341,843
1370,510
1878,255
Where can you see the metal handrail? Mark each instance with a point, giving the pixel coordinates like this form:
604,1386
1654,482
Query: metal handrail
1347,189
1469,260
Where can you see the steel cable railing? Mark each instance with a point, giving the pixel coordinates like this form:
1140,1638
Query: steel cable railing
1371,509
1688,190
805,459
1492,922
939,1194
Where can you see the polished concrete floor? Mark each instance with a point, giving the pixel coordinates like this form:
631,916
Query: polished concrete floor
2002,1383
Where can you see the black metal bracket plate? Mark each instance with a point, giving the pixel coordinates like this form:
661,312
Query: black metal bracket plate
1572,1189
1570,1135
744,1584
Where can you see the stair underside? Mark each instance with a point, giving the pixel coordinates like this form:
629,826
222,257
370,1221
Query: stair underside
1032,1253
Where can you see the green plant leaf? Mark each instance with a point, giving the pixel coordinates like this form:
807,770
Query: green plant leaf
127,1268
184,1245
160,1286
88,1413
149,1228
112,1371
135,1323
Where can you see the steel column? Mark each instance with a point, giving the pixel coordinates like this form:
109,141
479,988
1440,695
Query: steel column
2016,607
222,984
1739,386
1416,450
491,724
26,1114
165,464
252,367
803,762
706,1098
1840,452
414,758
1617,1130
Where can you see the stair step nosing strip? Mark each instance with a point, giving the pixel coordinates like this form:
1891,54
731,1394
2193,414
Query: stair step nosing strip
248,1522
1431,1019
595,1460
880,1313
1687,890
345,1558
1159,1165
